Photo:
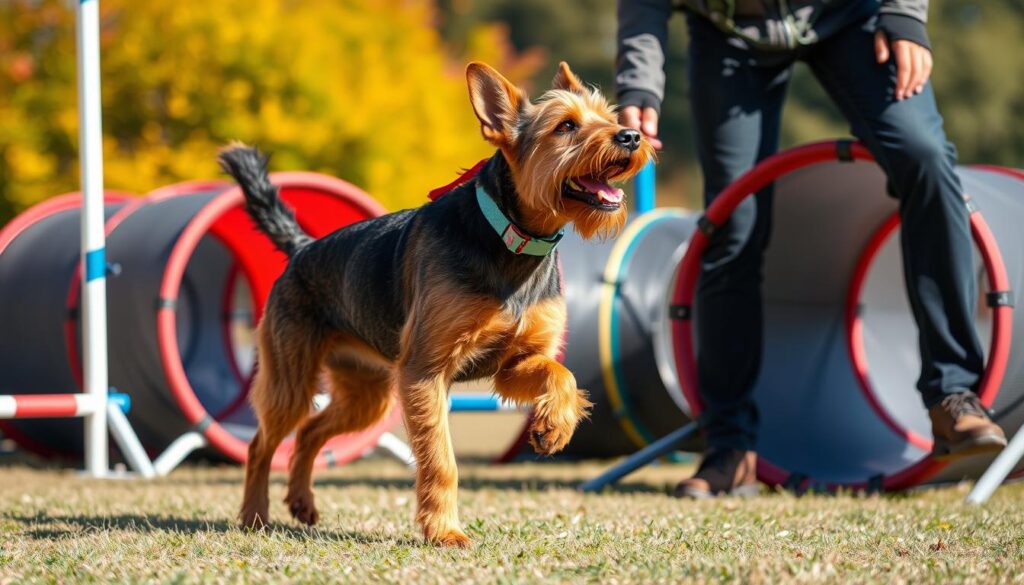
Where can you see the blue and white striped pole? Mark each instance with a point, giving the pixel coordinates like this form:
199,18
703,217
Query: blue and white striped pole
644,186
94,293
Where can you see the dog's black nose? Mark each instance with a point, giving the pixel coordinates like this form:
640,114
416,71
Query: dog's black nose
628,138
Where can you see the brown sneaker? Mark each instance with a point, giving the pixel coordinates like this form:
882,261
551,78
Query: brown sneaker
724,472
962,428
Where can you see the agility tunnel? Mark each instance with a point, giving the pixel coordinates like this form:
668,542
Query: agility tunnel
836,392
190,274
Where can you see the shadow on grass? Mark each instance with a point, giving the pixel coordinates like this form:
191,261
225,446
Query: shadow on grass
526,484
43,526
625,487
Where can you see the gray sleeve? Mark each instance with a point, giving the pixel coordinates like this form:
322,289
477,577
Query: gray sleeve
642,38
916,9
905,19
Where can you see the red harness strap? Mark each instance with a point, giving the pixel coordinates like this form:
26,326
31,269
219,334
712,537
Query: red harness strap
466,175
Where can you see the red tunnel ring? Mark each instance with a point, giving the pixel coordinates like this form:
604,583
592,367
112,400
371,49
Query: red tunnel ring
338,450
997,280
1017,174
684,287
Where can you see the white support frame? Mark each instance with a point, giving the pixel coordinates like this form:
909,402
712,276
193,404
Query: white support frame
94,289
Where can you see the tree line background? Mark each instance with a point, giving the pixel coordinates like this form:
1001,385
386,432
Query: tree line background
373,91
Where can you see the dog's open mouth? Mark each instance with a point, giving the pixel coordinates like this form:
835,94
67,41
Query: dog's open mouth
596,191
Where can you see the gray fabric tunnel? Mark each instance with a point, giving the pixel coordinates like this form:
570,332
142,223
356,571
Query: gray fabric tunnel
836,391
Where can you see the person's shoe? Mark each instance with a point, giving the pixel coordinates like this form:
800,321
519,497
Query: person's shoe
962,428
724,472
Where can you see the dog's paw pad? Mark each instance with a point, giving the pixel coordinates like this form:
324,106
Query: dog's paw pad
538,439
547,440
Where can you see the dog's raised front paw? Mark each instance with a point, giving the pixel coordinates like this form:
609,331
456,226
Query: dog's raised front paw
555,421
548,440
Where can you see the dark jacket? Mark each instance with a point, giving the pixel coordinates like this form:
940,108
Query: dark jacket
762,25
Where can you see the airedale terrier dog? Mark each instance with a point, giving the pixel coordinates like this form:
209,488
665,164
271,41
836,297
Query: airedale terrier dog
464,287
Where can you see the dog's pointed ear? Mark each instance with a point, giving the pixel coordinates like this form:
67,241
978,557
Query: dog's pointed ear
496,102
566,79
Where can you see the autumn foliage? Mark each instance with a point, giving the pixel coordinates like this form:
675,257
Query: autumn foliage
366,91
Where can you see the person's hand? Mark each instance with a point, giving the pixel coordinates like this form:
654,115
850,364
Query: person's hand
646,121
913,64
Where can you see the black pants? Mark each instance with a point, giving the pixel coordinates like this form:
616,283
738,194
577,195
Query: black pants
737,98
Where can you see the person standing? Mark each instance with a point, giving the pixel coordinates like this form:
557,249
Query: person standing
874,60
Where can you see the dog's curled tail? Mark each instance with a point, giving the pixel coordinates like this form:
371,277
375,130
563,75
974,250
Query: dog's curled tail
248,166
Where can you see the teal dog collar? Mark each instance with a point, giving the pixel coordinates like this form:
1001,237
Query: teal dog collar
514,238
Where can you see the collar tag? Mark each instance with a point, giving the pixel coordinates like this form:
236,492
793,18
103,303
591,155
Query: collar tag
514,240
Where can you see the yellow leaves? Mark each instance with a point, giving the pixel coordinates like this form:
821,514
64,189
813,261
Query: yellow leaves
490,43
29,164
177,105
237,90
363,90
27,168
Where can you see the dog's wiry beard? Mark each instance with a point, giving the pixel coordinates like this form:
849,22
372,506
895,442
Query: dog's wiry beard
591,223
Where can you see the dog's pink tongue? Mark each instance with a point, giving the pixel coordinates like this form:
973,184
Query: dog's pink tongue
605,192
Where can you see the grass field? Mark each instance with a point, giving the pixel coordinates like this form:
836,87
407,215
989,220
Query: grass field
528,523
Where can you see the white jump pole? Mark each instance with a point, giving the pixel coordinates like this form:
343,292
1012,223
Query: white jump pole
94,292
997,472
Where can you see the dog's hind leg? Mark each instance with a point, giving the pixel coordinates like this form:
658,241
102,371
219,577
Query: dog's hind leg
361,394
286,379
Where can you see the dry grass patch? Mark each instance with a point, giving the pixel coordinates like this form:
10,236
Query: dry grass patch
528,523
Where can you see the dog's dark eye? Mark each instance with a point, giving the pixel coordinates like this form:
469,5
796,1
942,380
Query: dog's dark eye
566,127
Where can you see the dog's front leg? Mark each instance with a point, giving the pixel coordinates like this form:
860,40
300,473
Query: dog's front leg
425,408
440,335
529,374
558,405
